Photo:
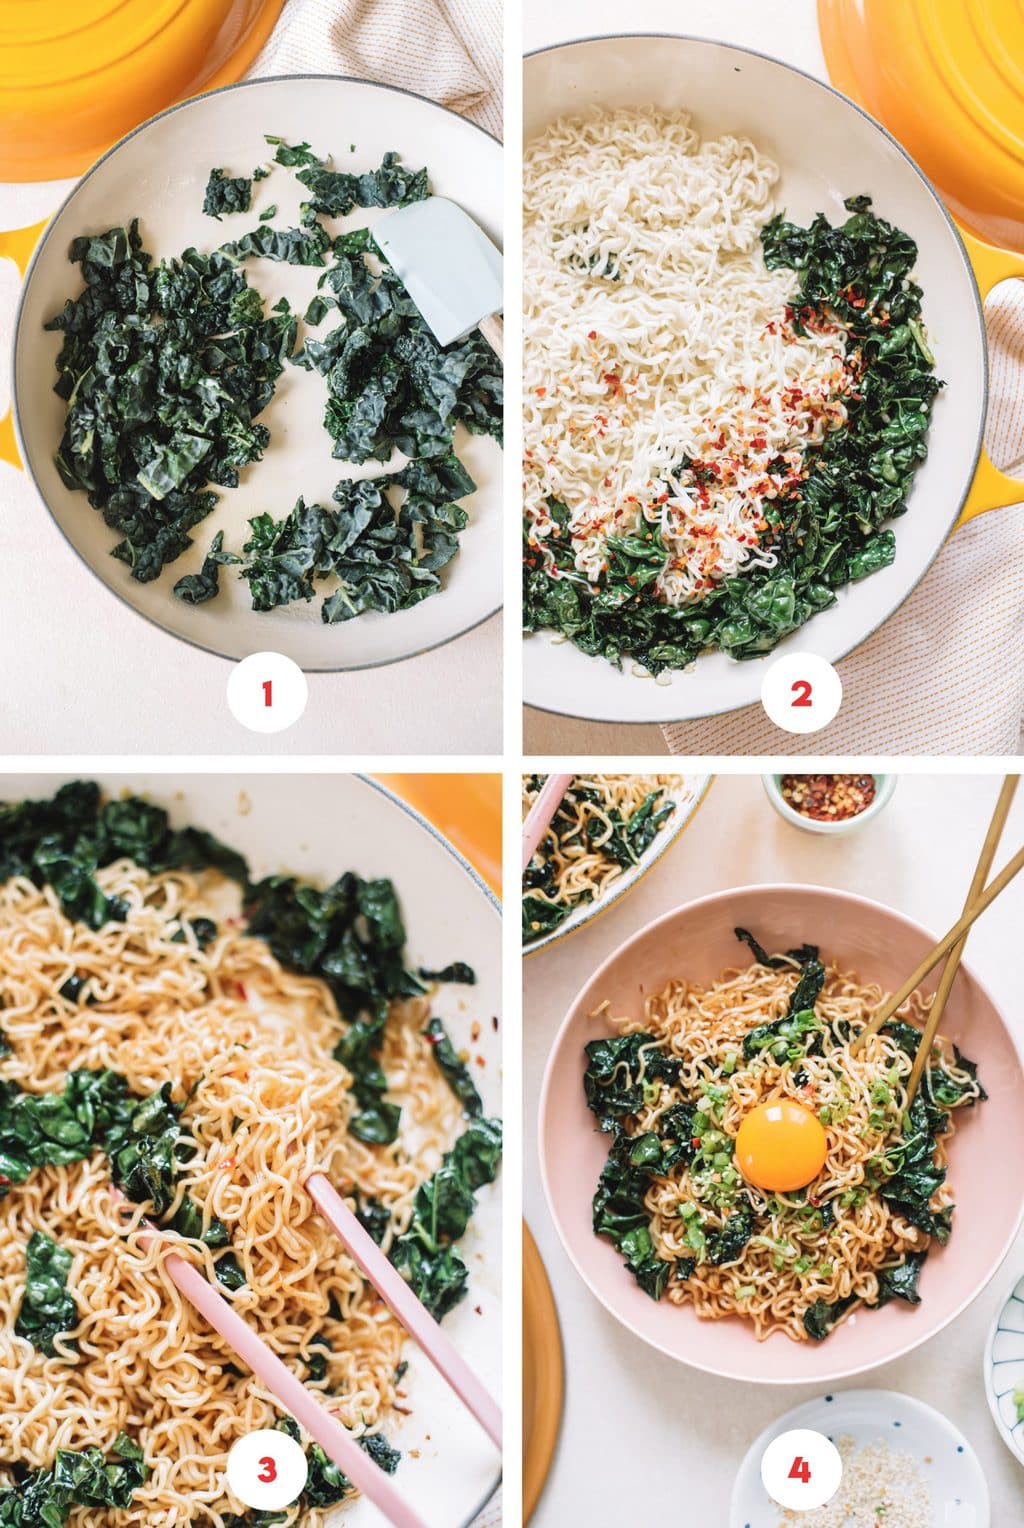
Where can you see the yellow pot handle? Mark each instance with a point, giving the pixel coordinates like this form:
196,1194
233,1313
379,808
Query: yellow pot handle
990,488
16,244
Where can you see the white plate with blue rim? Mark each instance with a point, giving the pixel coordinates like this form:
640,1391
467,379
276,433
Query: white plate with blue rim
946,1462
1004,1371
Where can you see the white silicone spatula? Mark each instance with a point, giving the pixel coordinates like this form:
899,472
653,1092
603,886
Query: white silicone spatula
449,266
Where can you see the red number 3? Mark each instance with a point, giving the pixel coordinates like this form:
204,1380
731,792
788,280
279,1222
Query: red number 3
800,1470
802,691
268,1471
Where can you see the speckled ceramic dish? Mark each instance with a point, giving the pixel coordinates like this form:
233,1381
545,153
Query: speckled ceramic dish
947,1462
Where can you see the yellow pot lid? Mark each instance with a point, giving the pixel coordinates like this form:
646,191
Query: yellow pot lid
76,75
946,77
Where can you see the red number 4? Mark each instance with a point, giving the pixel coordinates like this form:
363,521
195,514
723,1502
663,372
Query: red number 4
800,1470
268,1471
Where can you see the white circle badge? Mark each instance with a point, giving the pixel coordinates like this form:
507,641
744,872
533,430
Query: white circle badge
267,692
801,1469
267,1470
801,692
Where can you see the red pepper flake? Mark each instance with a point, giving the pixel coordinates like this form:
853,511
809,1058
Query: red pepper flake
828,798
592,335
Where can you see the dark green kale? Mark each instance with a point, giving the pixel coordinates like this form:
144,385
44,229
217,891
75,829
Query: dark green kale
226,194
799,1032
441,1213
203,931
900,1283
381,555
164,372
453,1068
726,1245
188,1221
820,1318
229,1271
144,1146
63,840
197,588
45,1498
352,936
294,246
96,1112
282,557
619,1213
389,383
620,1071
910,1173
827,528
336,193
57,1129
803,954
455,971
317,311
374,1217
48,1310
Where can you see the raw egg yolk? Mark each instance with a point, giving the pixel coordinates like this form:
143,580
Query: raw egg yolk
781,1146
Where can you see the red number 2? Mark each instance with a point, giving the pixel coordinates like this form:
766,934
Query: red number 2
800,1470
268,685
801,689
268,1471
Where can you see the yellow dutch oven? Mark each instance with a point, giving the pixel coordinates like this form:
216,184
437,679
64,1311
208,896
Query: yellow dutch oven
946,77
76,75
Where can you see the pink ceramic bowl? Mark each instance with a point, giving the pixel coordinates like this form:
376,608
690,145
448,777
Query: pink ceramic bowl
879,945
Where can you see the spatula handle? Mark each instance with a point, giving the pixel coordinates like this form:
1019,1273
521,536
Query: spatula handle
493,331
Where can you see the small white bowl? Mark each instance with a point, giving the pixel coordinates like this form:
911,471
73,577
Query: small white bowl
1004,1369
884,787
949,1464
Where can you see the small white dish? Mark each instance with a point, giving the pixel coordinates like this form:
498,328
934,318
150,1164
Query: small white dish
688,799
884,787
959,1494
1004,1370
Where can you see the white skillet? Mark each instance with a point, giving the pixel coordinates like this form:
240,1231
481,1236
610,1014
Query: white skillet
158,173
318,826
827,148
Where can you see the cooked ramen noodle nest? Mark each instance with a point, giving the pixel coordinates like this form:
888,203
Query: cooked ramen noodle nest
602,827
674,1087
246,1046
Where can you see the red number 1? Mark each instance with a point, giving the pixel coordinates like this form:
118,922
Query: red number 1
800,1470
268,692
268,1472
801,689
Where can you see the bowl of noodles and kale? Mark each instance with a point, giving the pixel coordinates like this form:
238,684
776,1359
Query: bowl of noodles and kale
607,833
761,1199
